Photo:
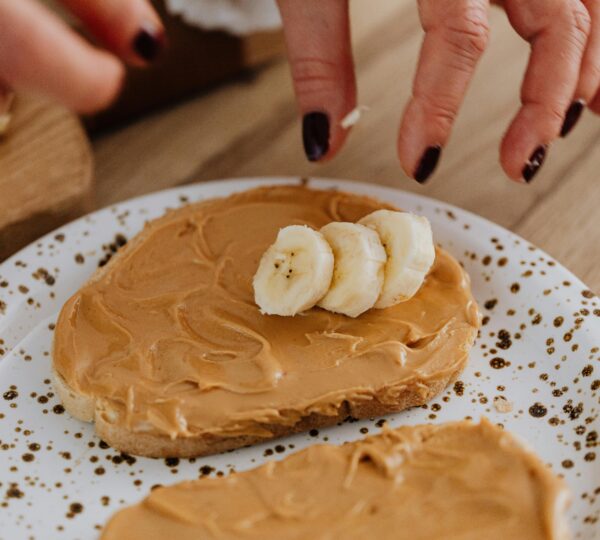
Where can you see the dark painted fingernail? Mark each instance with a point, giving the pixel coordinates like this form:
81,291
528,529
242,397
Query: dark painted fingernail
315,135
428,163
572,117
149,43
534,163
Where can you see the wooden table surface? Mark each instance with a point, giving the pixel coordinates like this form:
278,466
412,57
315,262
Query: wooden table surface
250,128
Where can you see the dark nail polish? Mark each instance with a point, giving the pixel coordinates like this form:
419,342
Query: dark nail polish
572,117
534,163
428,163
148,43
315,135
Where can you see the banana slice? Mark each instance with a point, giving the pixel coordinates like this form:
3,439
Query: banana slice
358,270
294,273
408,243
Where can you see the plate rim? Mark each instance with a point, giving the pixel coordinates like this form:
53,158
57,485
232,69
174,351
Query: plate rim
244,183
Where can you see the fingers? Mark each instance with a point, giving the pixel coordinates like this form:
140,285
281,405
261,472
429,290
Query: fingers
39,53
456,34
589,83
558,31
317,36
129,28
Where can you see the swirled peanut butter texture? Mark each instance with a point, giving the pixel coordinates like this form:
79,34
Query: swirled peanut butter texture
169,339
453,481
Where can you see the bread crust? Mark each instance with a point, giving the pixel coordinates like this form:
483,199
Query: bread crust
78,405
161,446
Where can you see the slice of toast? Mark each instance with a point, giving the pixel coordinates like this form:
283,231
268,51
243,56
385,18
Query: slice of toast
165,350
454,481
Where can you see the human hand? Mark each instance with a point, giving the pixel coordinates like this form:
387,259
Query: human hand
40,53
563,75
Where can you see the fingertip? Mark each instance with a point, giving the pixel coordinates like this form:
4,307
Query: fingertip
520,159
339,133
424,166
510,159
534,163
130,29
321,137
514,174
409,143
427,164
527,139
325,128
404,165
572,116
148,44
103,87
405,154
420,143
316,128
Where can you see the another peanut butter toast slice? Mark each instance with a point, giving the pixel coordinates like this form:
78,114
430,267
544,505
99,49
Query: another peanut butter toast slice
452,481
167,352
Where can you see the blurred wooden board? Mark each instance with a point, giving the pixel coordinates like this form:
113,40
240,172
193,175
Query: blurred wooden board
251,128
46,171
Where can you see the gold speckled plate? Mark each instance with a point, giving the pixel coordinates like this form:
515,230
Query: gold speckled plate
535,369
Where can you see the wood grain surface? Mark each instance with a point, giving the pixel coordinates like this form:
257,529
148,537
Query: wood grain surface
46,169
250,128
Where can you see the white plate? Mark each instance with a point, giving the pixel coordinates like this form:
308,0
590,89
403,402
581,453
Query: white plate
58,493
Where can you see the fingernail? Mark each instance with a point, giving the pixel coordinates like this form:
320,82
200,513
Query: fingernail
149,42
315,135
534,163
572,117
428,163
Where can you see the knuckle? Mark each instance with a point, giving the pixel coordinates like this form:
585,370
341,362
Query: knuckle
582,18
312,75
581,23
468,31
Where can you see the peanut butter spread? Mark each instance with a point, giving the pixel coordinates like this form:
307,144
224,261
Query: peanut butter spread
169,340
453,481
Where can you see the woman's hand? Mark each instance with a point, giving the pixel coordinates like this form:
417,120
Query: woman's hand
562,76
40,53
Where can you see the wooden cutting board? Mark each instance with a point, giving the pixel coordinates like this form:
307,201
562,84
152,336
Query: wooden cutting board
46,171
